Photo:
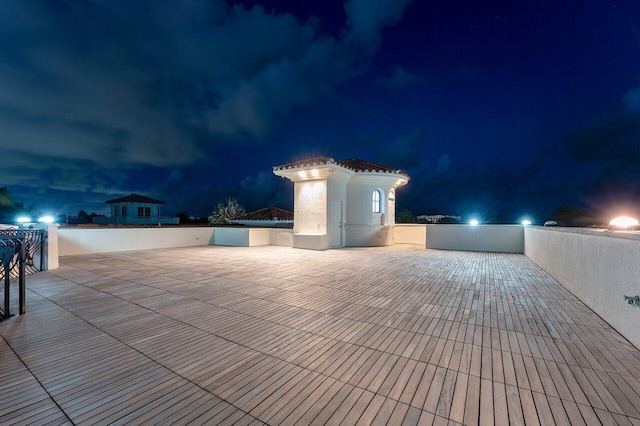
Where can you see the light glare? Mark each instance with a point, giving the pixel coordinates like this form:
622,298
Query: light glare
46,219
624,222
24,219
526,222
473,222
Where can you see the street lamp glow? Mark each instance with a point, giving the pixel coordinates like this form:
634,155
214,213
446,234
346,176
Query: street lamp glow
623,222
473,222
24,219
46,219
526,222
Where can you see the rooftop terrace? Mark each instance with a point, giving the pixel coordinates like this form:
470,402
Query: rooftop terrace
275,335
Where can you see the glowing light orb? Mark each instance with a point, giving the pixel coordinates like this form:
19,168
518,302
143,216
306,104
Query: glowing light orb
624,222
526,222
46,219
24,219
473,222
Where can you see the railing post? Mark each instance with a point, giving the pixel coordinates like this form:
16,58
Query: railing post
7,280
42,242
22,285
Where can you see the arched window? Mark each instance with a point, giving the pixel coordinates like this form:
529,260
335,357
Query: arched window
376,207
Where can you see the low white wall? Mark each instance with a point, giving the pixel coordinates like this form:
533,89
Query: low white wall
598,267
368,236
410,233
311,242
241,237
492,238
73,241
259,237
234,237
281,237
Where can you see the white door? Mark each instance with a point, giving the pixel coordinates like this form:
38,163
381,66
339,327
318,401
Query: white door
335,224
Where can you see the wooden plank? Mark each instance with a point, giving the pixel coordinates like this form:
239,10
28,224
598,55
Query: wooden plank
446,337
486,402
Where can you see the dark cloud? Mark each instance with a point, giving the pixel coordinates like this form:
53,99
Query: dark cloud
614,138
403,153
265,189
398,79
632,99
367,18
487,191
91,86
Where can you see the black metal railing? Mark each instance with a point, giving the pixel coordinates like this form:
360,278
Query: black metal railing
21,253
34,240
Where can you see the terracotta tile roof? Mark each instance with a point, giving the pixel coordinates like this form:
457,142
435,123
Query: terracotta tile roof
313,161
268,213
365,166
354,164
135,198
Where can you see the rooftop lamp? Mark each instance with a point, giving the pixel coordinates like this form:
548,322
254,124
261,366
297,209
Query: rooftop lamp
46,219
526,222
24,219
624,223
473,222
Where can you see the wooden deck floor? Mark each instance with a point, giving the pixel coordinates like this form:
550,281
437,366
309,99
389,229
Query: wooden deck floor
397,335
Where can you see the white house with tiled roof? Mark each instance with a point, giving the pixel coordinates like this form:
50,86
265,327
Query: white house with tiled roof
342,203
135,209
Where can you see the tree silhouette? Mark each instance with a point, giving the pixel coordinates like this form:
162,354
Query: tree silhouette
5,198
226,213
405,216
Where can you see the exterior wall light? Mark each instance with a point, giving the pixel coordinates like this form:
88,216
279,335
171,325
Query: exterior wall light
24,219
526,222
624,223
46,219
473,222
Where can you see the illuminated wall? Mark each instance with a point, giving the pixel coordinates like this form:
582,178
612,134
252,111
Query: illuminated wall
310,201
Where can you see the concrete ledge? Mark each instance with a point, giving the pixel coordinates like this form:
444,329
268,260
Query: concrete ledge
368,236
491,238
311,241
281,237
73,241
597,267
241,237
410,233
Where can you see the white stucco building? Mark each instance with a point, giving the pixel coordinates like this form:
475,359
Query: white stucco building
342,203
135,209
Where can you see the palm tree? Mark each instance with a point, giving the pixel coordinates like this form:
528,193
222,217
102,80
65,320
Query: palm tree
5,198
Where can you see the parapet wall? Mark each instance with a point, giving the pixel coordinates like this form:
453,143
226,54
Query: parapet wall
598,267
492,238
73,241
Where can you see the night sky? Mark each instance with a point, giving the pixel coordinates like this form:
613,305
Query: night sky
492,107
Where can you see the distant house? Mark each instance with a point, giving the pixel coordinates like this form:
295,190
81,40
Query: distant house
135,209
269,216
342,203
